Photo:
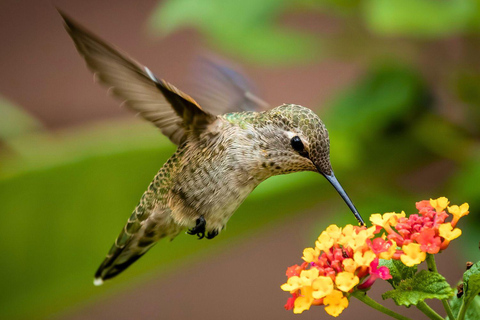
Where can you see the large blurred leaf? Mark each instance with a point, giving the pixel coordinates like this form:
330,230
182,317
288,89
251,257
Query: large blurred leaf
420,18
382,96
442,137
332,6
380,102
247,28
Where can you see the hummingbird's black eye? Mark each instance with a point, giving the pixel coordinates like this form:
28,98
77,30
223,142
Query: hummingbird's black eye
297,144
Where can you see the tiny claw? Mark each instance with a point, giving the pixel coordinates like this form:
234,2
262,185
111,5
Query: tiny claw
199,228
212,234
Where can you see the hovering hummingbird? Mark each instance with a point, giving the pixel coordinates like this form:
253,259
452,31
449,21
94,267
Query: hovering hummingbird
222,155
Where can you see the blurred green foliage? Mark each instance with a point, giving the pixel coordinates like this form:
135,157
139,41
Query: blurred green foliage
253,29
250,22
421,18
406,129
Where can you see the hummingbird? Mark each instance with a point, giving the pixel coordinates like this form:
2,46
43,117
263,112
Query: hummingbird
224,152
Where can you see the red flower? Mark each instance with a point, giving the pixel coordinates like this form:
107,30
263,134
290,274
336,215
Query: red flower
296,269
291,302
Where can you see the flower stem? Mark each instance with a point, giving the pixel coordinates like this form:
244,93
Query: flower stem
362,296
432,266
462,311
429,312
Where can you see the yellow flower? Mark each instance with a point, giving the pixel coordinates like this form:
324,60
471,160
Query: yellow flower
439,204
345,281
335,302
412,254
334,231
346,236
458,212
322,286
310,254
307,276
445,231
303,302
376,219
324,241
364,259
371,231
354,240
387,219
349,265
358,240
293,283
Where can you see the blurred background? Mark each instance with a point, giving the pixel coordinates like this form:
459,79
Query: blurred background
397,83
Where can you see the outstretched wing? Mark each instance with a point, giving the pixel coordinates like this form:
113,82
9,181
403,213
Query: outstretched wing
220,88
155,100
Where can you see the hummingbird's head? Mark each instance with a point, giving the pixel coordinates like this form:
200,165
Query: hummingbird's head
302,137
304,143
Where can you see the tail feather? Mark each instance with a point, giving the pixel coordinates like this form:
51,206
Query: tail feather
136,238
127,249
110,267
150,221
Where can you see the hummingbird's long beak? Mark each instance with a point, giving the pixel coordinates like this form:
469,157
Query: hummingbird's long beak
333,180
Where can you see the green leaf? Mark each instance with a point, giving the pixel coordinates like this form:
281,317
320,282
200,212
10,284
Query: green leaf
423,285
398,270
247,28
338,7
382,103
442,137
473,311
381,98
420,18
471,282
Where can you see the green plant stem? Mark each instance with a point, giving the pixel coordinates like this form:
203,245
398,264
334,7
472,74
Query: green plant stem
429,312
462,311
362,296
432,266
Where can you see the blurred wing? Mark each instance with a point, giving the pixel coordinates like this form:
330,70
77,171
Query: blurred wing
220,89
155,100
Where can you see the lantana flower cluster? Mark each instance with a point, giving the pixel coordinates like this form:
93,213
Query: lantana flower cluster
347,259
422,233
343,258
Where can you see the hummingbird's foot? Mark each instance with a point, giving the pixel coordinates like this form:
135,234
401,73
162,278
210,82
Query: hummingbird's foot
199,228
212,234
